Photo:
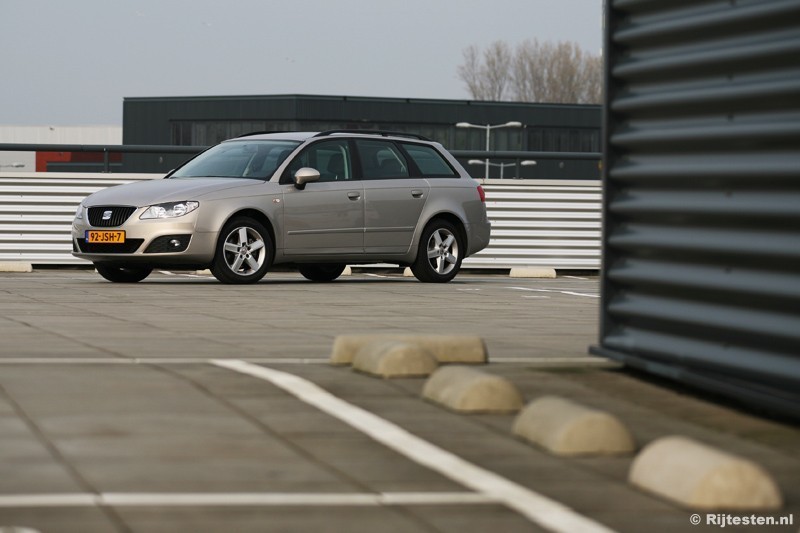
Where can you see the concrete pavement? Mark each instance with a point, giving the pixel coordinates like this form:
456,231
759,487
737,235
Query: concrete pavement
107,395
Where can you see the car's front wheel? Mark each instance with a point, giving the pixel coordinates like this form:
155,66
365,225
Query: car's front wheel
322,271
440,253
243,252
123,273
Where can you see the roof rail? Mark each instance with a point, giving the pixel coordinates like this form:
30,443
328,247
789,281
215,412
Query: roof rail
382,133
259,133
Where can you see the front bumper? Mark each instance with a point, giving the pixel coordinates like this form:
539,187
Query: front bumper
148,241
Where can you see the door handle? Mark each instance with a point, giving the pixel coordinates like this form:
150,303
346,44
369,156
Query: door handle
354,195
416,193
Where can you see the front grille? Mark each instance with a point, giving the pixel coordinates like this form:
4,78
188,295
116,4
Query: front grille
117,215
127,247
163,245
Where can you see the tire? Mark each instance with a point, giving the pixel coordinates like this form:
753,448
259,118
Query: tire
322,271
440,253
123,273
244,252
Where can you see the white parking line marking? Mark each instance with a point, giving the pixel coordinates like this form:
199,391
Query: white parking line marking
551,361
263,360
535,507
242,499
571,293
152,360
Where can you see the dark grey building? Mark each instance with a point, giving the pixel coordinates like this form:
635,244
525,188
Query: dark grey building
207,120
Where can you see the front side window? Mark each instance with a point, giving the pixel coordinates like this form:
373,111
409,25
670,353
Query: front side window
381,160
429,161
330,158
238,159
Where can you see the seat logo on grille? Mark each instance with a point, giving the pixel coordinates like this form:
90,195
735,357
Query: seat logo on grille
106,215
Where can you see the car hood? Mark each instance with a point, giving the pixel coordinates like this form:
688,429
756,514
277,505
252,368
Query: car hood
152,192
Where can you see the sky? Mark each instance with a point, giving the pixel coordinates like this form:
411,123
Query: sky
72,62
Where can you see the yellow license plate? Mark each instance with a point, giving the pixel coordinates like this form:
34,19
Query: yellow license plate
105,237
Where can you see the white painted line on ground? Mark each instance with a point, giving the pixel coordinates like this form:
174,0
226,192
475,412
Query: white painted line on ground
576,277
571,293
153,360
549,361
229,499
48,500
581,294
535,507
264,360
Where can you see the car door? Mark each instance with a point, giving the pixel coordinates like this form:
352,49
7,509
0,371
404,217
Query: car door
327,216
393,197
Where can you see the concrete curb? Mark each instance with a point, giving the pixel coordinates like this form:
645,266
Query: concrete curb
15,266
701,477
445,348
407,273
348,271
468,390
565,428
532,272
394,359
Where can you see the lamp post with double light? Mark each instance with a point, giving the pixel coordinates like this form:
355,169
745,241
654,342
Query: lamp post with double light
489,128
524,163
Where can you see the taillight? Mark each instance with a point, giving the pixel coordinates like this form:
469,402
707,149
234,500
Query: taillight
481,194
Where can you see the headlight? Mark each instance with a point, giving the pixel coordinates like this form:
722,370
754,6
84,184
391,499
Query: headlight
79,212
170,210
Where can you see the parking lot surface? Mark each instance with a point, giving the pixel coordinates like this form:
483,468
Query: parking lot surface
118,411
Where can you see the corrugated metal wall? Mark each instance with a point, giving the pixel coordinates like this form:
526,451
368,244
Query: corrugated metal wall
702,209
547,223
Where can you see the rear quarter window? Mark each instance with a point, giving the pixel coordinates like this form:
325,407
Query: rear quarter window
429,161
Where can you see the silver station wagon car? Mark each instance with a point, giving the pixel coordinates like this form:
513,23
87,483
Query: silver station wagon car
313,201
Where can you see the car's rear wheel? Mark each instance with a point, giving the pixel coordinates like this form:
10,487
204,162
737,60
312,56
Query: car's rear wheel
243,252
123,273
440,253
322,271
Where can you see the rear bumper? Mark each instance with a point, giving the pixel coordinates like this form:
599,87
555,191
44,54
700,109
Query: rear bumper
478,236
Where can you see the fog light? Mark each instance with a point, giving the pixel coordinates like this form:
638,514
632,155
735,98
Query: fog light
175,243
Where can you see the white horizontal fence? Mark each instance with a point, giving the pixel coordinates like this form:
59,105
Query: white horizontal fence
547,223
553,223
37,208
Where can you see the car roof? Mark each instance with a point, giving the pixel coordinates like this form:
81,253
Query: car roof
302,136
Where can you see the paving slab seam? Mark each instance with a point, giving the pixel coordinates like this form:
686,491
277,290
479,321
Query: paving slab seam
287,442
56,454
261,425
537,508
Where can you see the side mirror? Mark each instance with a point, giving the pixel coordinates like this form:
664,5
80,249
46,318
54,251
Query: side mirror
305,175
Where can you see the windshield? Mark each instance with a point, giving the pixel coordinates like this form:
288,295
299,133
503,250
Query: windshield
238,159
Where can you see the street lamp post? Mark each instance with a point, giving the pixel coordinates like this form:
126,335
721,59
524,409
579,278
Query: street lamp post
525,163
489,128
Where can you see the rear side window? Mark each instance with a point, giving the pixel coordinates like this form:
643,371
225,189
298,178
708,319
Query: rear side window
429,161
381,160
